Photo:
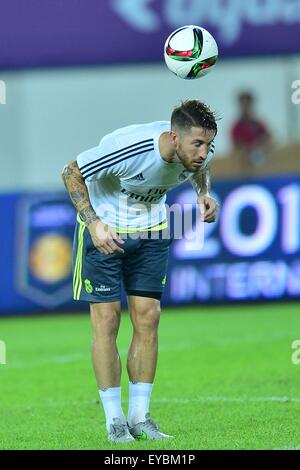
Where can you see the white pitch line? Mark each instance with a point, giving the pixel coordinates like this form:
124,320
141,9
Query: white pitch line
81,356
53,360
65,359
230,399
289,447
171,400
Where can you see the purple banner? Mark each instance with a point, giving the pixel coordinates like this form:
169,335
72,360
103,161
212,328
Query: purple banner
76,32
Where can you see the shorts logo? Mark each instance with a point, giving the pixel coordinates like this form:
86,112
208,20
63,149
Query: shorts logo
88,286
164,280
102,288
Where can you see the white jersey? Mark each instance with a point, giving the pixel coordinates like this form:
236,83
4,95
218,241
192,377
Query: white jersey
127,179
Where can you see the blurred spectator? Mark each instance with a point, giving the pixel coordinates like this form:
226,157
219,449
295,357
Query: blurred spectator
250,137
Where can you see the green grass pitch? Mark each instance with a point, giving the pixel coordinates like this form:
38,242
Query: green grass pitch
225,380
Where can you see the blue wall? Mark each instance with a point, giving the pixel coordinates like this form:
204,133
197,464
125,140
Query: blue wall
251,253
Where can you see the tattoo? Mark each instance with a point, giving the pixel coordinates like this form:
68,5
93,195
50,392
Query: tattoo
75,185
77,196
78,192
201,181
67,171
88,215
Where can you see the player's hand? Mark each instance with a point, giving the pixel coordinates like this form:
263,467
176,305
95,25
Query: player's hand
104,238
208,208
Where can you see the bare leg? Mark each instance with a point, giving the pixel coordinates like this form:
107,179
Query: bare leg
142,355
105,356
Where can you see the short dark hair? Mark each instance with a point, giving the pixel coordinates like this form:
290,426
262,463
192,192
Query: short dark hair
246,95
194,113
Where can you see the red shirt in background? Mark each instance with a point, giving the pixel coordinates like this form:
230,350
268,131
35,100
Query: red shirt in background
248,133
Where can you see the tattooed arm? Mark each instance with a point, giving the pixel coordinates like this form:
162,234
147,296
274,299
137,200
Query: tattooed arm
201,181
78,192
103,235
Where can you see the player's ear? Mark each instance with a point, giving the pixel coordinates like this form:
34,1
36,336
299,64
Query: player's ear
174,137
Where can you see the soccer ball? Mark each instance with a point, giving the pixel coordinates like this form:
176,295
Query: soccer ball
191,52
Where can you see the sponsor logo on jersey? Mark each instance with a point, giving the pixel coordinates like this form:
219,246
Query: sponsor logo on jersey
152,195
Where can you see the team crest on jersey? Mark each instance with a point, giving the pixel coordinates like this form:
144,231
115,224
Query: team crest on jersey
183,176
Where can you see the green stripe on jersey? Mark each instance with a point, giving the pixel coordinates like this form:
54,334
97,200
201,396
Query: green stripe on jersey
161,226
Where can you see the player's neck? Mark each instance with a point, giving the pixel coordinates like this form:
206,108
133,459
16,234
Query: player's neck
167,149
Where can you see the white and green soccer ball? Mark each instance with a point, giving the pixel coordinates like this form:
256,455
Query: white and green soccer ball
191,52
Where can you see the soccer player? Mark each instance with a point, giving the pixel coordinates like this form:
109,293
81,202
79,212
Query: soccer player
118,189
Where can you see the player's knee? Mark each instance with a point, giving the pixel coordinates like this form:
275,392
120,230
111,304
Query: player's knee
106,323
148,319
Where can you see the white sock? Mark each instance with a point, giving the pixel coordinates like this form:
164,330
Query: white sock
111,401
139,400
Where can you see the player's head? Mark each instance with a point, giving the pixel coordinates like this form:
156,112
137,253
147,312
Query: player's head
193,128
246,101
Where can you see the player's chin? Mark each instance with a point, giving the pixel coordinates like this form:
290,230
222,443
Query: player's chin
196,166
192,168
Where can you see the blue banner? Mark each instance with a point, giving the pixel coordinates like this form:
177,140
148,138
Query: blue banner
252,252
36,252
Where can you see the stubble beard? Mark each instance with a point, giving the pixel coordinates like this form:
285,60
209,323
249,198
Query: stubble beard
180,155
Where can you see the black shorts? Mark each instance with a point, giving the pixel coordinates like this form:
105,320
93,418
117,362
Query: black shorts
142,268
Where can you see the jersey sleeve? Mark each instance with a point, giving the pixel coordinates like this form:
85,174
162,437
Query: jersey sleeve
105,159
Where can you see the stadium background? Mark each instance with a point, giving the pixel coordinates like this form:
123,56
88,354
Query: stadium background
70,73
